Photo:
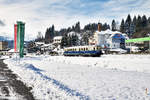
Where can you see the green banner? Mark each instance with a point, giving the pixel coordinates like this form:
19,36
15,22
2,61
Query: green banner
20,37
138,40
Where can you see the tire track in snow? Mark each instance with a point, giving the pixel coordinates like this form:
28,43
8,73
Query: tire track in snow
60,85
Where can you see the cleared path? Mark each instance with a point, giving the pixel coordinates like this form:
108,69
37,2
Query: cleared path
10,87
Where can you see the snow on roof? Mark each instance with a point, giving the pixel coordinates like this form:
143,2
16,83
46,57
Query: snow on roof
40,43
57,37
46,45
108,31
75,33
11,50
125,35
72,33
117,35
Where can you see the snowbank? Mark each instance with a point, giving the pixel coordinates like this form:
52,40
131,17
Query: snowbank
110,77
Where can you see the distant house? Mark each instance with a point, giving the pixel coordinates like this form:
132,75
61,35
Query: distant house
108,39
3,45
57,40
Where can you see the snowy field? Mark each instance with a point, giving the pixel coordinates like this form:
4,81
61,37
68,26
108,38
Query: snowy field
110,77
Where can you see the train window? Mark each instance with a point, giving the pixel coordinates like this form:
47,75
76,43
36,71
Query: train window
86,48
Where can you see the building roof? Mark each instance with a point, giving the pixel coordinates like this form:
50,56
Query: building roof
11,50
108,31
57,37
117,36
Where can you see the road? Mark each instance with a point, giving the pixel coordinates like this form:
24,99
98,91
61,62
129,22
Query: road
11,87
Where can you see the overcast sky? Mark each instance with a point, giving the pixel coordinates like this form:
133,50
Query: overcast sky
41,14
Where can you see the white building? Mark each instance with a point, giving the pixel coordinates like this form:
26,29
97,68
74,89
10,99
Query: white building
108,39
57,39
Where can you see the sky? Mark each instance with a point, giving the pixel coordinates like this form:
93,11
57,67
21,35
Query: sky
38,15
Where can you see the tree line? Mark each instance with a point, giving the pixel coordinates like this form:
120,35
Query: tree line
72,40
137,27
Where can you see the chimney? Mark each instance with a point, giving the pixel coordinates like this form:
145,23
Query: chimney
99,27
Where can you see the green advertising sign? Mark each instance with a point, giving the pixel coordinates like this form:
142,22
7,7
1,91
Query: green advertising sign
20,37
138,40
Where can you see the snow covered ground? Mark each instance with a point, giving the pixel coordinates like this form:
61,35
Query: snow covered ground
110,77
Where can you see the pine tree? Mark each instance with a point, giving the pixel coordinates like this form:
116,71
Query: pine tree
113,25
128,20
132,29
105,27
69,40
128,25
64,42
149,20
139,24
69,30
108,26
144,21
134,23
74,40
77,27
134,20
122,26
49,34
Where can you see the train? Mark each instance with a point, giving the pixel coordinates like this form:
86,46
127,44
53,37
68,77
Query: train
90,50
